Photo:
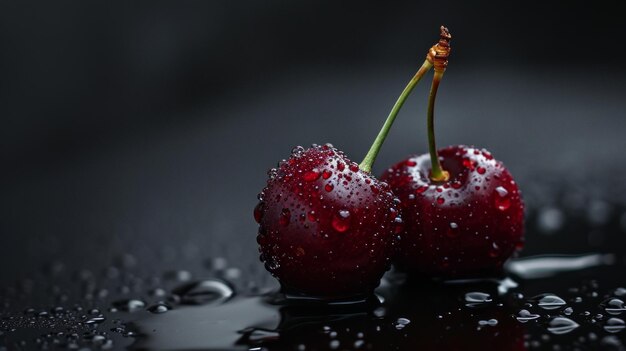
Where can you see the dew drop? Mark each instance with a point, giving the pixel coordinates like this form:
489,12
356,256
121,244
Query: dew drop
328,187
312,175
614,325
549,302
354,167
297,151
491,322
341,166
614,306
502,191
524,316
341,221
441,200
453,231
401,323
561,325
129,305
204,292
494,250
285,217
477,298
481,170
421,189
326,174
159,308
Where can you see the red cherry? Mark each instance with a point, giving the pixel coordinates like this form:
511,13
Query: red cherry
326,227
463,213
466,225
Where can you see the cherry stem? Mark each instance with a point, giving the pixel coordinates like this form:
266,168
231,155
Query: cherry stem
437,173
368,161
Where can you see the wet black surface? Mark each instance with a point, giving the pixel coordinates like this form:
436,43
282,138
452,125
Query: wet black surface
111,217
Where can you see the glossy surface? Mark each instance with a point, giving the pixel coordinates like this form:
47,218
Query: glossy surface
325,227
468,225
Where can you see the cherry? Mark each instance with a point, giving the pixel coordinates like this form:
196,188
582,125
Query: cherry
463,212
327,227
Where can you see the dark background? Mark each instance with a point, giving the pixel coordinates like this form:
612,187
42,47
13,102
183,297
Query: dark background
142,132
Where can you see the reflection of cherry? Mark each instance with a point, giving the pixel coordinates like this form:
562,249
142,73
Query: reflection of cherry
327,226
462,210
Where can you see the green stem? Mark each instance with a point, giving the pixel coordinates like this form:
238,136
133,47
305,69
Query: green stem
437,173
368,161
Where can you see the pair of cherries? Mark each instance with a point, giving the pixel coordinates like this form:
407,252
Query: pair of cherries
328,228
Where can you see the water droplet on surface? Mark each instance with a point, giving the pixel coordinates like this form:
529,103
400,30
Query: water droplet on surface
401,323
491,322
441,200
614,325
453,230
502,192
549,302
297,151
204,292
326,174
129,305
328,187
312,175
614,306
620,292
561,325
524,316
477,298
481,170
285,217
159,308
341,221
568,311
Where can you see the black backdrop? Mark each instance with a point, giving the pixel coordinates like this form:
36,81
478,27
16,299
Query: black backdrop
143,130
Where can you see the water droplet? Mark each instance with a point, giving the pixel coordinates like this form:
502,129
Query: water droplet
401,323
561,325
95,320
312,216
614,325
481,170
341,166
441,200
341,221
502,203
326,174
568,311
549,301
477,298
129,305
620,292
491,322
312,175
524,316
502,192
494,250
204,292
453,231
257,335
297,151
421,189
159,308
329,187
354,167
285,217
614,306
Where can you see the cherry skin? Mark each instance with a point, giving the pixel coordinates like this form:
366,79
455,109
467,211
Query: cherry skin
467,225
326,228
